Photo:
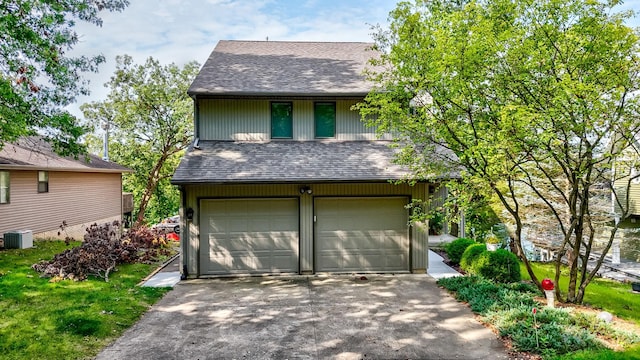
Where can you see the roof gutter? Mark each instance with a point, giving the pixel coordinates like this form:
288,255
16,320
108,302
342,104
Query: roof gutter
45,168
294,181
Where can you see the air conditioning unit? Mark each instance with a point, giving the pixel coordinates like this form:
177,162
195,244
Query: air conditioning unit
18,239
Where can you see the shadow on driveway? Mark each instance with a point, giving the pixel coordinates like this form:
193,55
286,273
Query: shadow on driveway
336,317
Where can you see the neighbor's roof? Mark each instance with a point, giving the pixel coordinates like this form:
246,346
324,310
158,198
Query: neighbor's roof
224,162
285,68
33,153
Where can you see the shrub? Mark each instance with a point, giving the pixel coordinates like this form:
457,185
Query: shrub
456,248
470,255
500,265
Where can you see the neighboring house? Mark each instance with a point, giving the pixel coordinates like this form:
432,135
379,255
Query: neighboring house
39,190
626,181
625,205
283,177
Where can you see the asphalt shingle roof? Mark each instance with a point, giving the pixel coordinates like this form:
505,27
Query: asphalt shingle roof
285,68
35,153
225,162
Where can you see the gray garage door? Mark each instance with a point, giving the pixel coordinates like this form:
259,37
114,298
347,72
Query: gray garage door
361,234
249,236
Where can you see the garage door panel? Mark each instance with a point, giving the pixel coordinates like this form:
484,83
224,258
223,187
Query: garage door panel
362,234
249,236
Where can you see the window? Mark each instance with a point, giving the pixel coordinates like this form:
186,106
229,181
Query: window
43,181
4,187
281,120
325,120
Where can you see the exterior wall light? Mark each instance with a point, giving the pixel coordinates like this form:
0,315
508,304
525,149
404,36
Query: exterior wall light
189,214
306,189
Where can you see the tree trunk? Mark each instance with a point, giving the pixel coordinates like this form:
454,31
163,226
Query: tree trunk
152,183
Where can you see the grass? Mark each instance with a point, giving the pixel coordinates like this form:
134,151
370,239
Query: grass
65,319
612,296
632,353
604,294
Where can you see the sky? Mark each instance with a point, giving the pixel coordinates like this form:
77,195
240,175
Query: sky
179,31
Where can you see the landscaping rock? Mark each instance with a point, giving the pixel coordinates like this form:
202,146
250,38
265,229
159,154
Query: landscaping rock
605,316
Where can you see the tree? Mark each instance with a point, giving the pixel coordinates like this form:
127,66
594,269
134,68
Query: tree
37,78
150,118
532,101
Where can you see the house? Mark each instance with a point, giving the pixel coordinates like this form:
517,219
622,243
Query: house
625,204
39,190
283,177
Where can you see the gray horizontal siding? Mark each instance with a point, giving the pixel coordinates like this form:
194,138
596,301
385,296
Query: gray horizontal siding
250,120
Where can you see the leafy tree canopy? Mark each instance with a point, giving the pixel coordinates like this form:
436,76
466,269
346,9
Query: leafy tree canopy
150,118
37,78
531,100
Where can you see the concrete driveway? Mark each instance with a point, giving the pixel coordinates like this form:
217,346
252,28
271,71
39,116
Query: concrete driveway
334,317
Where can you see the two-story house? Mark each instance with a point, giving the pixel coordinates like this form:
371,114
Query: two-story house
283,177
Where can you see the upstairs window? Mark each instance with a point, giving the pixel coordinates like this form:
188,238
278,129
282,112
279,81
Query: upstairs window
43,181
281,120
325,119
4,187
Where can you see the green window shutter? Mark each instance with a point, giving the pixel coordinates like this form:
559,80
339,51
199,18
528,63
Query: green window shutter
325,120
281,120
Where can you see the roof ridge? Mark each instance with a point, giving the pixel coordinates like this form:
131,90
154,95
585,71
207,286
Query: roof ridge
300,41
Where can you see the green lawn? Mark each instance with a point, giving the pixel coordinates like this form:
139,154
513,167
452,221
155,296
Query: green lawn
608,295
612,296
65,320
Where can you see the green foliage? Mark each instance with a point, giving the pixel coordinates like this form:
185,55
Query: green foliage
456,248
151,123
37,77
484,295
632,353
66,319
470,255
555,332
508,308
500,265
436,222
530,101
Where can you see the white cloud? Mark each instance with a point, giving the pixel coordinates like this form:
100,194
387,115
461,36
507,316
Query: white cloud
183,30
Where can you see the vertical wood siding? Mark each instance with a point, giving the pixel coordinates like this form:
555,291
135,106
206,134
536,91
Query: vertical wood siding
250,120
194,193
77,198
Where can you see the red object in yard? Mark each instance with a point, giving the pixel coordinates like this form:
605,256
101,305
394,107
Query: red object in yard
173,236
547,284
